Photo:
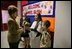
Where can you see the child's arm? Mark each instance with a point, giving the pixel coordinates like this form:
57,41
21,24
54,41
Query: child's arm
22,38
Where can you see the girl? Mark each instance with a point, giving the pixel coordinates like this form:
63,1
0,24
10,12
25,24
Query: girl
25,35
35,32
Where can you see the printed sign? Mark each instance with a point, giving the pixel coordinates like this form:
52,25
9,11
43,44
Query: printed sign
44,7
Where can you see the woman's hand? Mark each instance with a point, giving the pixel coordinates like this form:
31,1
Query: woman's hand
20,30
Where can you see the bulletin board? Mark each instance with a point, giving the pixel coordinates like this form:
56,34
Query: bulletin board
44,7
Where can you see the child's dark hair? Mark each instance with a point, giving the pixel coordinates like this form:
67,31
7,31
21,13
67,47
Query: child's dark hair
47,23
39,16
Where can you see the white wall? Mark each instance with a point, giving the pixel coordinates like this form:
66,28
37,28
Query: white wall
62,36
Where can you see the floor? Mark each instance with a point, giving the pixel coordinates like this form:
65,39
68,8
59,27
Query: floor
4,42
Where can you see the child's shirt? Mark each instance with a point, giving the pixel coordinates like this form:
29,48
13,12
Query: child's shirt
45,40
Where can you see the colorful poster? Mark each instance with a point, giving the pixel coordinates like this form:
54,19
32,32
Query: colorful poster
44,7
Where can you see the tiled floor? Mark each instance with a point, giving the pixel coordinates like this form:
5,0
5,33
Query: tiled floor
4,42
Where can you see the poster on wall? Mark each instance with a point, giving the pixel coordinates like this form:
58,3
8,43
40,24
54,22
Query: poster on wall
44,7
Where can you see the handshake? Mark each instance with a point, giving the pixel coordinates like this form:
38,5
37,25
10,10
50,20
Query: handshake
25,23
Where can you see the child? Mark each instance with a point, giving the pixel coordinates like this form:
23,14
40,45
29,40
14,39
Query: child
35,32
46,37
25,35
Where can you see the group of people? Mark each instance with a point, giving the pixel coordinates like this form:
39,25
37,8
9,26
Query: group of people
36,35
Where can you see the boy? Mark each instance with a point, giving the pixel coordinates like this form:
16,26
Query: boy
46,37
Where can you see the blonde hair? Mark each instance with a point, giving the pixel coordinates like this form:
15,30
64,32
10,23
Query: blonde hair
12,9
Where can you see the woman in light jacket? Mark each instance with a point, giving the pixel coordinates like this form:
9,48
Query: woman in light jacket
13,29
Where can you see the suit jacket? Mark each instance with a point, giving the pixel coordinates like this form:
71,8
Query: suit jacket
13,31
